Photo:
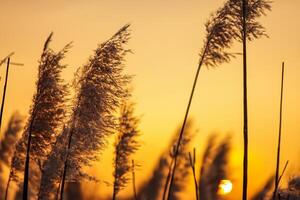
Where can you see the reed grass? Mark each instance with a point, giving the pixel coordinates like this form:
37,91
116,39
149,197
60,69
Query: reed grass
214,167
125,146
244,14
192,159
279,134
47,111
218,38
4,91
7,148
262,194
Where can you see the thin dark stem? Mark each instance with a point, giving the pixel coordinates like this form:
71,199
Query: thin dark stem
282,173
65,167
192,164
4,91
245,103
63,180
279,135
67,153
26,170
185,119
7,187
133,181
115,174
168,180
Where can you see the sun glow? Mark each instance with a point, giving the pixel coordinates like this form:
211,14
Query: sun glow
225,187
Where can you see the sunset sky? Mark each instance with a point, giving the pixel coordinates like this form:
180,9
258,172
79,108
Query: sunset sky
167,37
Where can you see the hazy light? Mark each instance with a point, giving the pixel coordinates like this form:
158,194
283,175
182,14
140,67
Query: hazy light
225,187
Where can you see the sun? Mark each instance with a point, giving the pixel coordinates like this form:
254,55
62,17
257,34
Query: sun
225,187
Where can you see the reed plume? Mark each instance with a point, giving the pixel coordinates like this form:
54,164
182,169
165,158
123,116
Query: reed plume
152,188
52,171
183,168
74,191
292,192
244,14
11,134
99,88
125,146
47,114
213,169
265,190
218,39
7,146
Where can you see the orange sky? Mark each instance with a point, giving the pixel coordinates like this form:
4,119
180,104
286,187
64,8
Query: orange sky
166,39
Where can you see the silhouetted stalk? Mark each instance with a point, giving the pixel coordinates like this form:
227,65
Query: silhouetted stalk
219,37
282,173
245,103
115,184
4,91
8,56
65,168
7,186
192,163
184,121
279,135
168,179
133,181
26,170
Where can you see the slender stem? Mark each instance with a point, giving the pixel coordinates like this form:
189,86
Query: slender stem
245,103
63,180
133,181
67,151
168,180
282,173
7,187
65,168
185,119
192,164
26,170
279,134
115,174
4,91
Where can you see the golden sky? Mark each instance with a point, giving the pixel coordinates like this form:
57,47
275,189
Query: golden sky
166,40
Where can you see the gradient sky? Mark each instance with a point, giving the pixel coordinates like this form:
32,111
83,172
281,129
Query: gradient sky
166,39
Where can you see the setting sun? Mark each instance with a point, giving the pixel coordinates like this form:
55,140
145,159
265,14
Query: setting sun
225,187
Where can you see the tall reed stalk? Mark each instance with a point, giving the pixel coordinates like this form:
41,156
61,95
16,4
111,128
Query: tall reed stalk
244,14
218,38
4,91
192,164
133,180
279,134
245,99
